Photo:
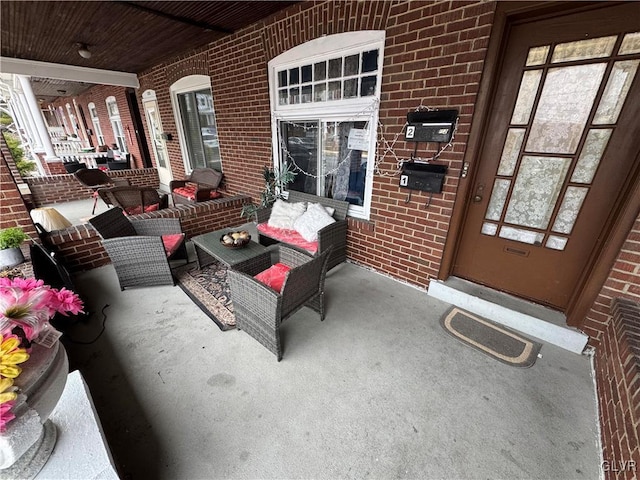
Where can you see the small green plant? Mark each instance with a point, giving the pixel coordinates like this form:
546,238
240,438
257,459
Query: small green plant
24,166
12,237
273,183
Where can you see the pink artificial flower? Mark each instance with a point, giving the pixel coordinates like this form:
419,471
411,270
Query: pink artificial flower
5,415
68,302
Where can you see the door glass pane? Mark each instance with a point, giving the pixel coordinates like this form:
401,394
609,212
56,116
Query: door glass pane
537,55
569,209
616,92
556,243
521,235
489,228
536,190
590,155
630,44
209,131
510,152
498,198
583,49
526,97
566,100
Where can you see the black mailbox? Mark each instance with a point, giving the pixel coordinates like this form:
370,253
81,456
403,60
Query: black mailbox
430,126
427,177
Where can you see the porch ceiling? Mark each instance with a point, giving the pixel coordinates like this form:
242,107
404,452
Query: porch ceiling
122,36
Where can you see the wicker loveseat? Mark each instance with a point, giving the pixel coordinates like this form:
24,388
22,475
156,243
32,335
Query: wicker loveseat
200,186
333,235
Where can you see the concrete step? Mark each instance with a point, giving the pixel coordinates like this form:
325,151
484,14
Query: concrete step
529,318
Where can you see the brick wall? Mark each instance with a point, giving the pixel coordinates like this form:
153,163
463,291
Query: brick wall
80,245
13,209
617,364
433,57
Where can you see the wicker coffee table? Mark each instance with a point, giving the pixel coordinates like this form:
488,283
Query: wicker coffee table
208,248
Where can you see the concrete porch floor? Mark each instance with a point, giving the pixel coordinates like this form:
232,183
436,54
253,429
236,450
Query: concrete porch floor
378,390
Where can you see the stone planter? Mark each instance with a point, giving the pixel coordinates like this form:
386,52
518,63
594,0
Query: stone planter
10,257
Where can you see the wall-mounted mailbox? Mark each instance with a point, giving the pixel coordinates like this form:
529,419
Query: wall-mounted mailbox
427,177
430,126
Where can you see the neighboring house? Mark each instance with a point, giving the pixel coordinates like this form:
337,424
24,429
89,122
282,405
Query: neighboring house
542,191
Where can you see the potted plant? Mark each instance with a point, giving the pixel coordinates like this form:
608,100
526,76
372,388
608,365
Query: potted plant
274,181
10,240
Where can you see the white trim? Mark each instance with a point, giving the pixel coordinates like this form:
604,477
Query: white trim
148,95
323,48
68,72
184,85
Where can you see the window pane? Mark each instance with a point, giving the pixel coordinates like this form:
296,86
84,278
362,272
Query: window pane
283,97
567,98
370,61
300,153
306,74
282,78
348,166
526,97
307,95
583,49
511,150
616,92
368,86
320,92
351,65
335,67
537,55
320,71
556,243
536,190
335,90
351,88
294,76
489,228
590,156
630,44
294,96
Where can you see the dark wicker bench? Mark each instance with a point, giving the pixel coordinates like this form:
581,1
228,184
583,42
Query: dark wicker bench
334,235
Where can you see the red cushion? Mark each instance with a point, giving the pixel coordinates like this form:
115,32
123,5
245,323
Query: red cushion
172,242
189,192
288,236
138,209
274,276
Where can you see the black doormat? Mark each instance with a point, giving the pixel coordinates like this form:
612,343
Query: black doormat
209,290
490,338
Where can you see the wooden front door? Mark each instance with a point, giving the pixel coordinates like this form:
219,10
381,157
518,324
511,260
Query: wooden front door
562,137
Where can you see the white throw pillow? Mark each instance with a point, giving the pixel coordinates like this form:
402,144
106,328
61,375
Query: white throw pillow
330,210
284,214
314,219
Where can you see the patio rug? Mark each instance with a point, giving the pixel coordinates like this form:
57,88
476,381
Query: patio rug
490,338
209,290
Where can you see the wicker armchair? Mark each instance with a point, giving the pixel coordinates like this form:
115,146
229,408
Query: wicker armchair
200,186
134,200
259,309
95,179
140,249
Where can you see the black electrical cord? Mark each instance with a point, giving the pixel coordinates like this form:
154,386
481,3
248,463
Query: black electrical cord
104,321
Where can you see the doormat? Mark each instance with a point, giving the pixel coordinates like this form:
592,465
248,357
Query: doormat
490,338
209,290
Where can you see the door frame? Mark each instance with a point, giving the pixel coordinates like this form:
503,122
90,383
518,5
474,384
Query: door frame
627,206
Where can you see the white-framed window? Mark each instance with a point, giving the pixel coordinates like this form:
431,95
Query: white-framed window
324,97
95,120
116,124
196,120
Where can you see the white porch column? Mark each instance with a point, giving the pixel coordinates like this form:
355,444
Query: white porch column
34,108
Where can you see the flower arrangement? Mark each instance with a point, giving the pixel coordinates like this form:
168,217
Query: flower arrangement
26,307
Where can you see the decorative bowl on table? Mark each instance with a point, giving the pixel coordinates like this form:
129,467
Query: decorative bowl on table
238,239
